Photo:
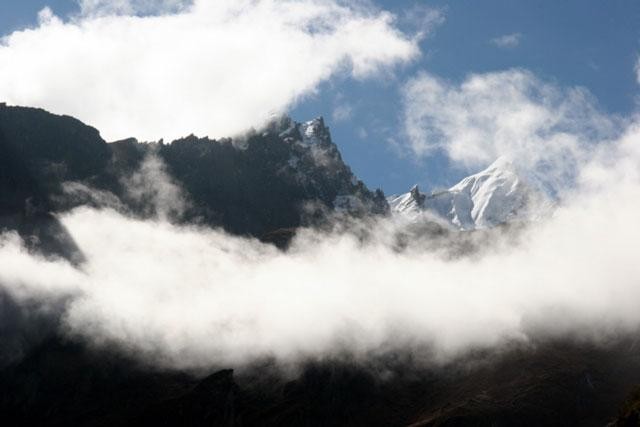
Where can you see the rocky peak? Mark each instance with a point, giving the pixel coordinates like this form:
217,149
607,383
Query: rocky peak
314,131
417,195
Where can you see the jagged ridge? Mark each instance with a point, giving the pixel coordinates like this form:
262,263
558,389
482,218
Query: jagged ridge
279,177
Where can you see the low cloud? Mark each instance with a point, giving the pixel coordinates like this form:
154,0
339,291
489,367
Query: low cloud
507,41
163,70
193,297
152,189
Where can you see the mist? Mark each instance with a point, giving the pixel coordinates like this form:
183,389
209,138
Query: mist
188,297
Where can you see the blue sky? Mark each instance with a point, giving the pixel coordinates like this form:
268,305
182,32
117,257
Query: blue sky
588,43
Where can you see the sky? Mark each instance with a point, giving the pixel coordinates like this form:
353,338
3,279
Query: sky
592,45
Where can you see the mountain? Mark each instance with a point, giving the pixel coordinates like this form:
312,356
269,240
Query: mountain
494,196
265,184
281,177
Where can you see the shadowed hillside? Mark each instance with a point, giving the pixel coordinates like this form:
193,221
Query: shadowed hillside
277,178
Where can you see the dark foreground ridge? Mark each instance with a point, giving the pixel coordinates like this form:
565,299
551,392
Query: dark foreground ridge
265,184
60,383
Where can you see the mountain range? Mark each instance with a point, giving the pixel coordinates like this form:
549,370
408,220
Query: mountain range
266,184
284,176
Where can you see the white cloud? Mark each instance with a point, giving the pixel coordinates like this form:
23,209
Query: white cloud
214,68
507,41
545,129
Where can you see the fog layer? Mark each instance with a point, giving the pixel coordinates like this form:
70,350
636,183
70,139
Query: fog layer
189,297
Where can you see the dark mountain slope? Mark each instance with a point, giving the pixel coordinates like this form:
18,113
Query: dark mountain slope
551,383
25,204
277,178
279,173
54,146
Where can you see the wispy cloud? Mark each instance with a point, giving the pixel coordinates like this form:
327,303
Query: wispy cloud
131,7
342,112
507,41
362,132
423,20
545,129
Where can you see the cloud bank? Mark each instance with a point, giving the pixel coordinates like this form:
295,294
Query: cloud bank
189,297
167,69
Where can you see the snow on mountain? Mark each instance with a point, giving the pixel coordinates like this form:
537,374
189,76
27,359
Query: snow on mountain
494,196
410,205
314,131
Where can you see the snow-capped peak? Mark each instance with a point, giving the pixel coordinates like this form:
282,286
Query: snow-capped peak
408,204
491,197
314,131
